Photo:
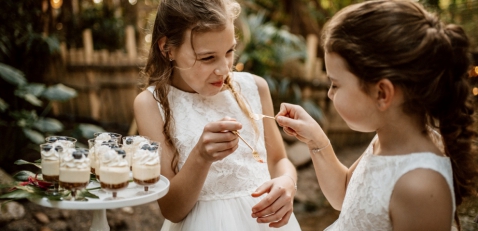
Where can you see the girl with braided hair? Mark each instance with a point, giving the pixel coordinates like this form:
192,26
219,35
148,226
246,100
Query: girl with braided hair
194,105
398,71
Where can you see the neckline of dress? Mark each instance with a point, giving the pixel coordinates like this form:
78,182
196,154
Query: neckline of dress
371,148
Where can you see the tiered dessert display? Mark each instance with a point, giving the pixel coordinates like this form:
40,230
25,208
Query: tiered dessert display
68,175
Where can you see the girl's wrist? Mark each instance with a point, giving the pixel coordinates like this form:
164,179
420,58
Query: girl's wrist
319,143
293,181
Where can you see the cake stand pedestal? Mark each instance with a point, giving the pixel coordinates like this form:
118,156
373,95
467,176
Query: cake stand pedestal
131,196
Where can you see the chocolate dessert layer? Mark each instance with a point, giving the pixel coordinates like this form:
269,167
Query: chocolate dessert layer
69,186
114,186
146,182
51,178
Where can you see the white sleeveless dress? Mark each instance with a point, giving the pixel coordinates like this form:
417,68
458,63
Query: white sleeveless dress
366,202
225,201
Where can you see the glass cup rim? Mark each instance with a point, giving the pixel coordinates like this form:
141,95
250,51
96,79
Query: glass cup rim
113,134
68,138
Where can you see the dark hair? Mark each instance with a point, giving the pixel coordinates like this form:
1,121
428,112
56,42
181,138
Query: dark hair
402,42
173,19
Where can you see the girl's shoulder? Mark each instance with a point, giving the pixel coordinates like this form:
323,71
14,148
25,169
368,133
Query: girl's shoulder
248,80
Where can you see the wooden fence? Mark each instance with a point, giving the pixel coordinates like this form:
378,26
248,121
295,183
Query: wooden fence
106,82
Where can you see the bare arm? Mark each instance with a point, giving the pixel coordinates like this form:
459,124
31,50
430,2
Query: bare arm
332,175
421,200
281,188
186,185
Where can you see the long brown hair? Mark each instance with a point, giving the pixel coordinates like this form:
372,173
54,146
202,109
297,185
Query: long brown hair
402,42
173,19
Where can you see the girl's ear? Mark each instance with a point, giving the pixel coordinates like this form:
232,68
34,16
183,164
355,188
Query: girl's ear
385,93
163,48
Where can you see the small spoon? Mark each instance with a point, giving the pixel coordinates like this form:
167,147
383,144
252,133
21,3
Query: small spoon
255,154
260,116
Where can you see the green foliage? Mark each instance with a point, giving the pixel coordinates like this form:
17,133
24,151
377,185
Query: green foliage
22,41
265,50
32,124
267,47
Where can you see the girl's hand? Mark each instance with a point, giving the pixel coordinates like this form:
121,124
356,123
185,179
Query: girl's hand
216,141
295,121
277,206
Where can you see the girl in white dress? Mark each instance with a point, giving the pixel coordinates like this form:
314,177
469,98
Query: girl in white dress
193,104
396,70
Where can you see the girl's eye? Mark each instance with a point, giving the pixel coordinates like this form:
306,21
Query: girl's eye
207,58
332,86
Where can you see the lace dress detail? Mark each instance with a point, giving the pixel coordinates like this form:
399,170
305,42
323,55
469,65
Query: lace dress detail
227,190
366,203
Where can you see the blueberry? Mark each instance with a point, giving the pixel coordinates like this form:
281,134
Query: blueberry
77,154
61,138
120,151
153,148
52,139
114,146
47,147
155,144
58,149
129,140
145,147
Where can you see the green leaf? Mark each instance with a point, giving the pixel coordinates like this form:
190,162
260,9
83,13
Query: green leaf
16,194
3,105
23,175
35,89
34,136
48,125
59,92
12,75
86,193
24,162
88,130
33,100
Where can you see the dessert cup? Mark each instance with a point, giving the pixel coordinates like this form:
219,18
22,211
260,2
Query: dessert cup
131,144
114,172
74,171
50,163
146,167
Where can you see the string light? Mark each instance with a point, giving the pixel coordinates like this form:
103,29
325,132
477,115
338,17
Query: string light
56,4
97,1
476,70
475,91
133,2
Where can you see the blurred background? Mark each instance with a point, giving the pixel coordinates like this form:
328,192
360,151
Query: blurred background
71,67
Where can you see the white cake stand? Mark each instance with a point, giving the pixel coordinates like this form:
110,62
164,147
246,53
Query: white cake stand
127,197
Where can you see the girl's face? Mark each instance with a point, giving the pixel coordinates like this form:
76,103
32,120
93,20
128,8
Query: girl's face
351,102
203,69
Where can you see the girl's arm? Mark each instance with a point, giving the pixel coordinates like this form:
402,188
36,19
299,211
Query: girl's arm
421,200
186,185
281,189
332,175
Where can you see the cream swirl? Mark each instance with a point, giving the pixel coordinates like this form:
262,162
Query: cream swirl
103,137
52,154
146,157
69,161
112,159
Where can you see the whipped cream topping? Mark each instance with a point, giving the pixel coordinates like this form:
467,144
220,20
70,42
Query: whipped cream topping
146,157
112,159
103,137
50,155
69,161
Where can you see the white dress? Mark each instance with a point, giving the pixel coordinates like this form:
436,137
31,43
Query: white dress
225,201
366,202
